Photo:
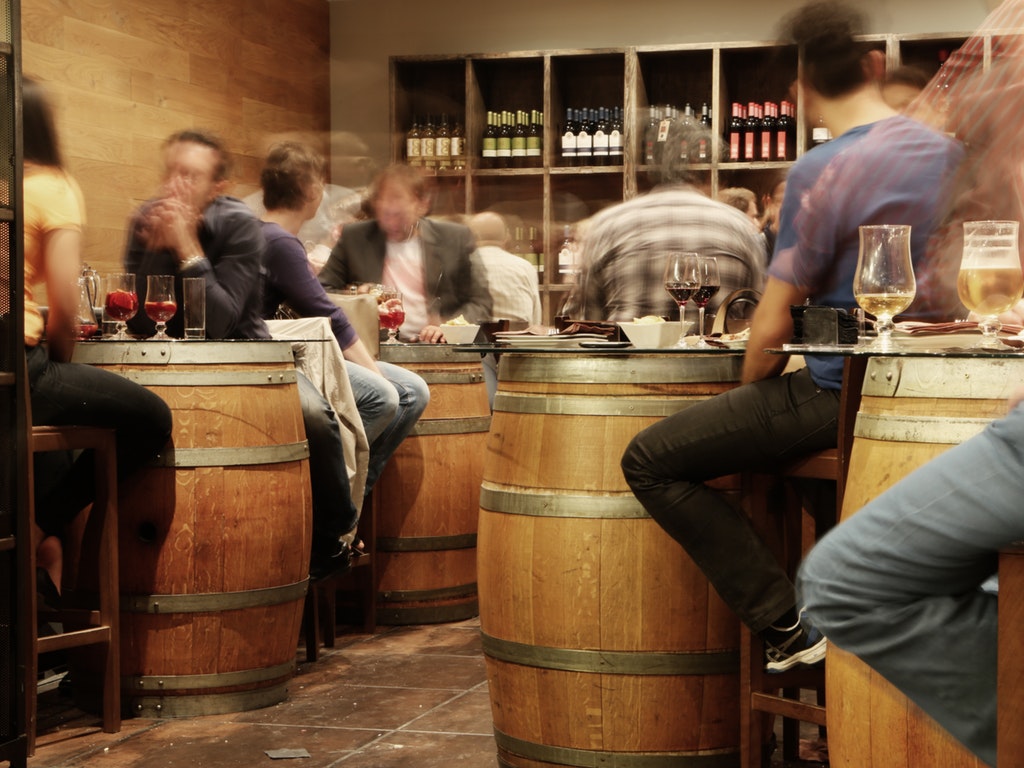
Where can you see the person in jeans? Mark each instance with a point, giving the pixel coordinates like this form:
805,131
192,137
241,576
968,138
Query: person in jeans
881,169
389,398
64,393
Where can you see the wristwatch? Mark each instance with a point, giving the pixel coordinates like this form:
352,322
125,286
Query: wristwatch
191,261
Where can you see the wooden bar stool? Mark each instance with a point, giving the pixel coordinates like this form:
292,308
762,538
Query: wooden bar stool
763,695
95,627
1010,736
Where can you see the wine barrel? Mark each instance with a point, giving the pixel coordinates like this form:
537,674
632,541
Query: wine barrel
595,656
213,538
426,498
912,409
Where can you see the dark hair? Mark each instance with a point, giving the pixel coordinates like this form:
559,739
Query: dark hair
676,165
408,177
910,75
290,170
832,59
206,139
739,198
39,130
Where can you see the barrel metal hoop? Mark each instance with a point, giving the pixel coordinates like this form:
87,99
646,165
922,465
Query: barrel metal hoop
233,456
210,602
690,368
603,405
178,378
945,430
612,662
975,378
426,543
591,758
451,377
184,352
416,595
209,704
452,426
546,504
165,683
428,614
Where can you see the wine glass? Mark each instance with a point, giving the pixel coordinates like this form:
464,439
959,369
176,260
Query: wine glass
710,282
160,302
392,313
884,283
990,279
85,324
681,280
122,302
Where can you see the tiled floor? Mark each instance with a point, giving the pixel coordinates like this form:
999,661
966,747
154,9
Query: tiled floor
405,697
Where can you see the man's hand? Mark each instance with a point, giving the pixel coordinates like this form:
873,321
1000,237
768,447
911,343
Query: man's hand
431,334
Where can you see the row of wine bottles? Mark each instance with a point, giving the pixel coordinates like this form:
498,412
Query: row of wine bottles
660,119
513,139
763,132
440,147
592,136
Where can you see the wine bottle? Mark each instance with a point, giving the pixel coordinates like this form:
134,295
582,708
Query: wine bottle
519,140
751,131
668,116
601,139
535,140
569,139
427,144
616,141
702,152
489,144
585,139
458,147
785,133
687,123
650,136
736,125
820,133
413,155
504,153
443,145
768,131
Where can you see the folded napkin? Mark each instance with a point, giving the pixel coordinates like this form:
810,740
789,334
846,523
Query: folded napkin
913,328
573,329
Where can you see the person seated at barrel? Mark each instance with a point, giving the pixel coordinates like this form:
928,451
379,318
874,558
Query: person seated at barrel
623,250
193,229
63,393
389,398
881,168
432,263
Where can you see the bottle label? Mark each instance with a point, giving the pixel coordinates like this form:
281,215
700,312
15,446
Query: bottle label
490,147
615,143
748,146
427,148
412,149
457,147
504,147
568,144
533,146
584,144
663,127
600,143
443,147
766,146
519,146
781,150
820,134
702,149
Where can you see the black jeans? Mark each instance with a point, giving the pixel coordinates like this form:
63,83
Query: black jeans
755,427
65,394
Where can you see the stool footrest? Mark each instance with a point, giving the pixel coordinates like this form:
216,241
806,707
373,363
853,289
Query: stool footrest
798,710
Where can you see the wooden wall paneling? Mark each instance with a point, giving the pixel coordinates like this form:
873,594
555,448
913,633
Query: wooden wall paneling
127,73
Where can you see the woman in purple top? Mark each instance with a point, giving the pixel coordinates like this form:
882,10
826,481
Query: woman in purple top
390,399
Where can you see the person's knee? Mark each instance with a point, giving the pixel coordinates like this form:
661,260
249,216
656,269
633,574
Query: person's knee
635,463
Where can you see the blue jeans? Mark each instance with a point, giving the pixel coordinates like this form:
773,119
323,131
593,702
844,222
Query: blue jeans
389,408
65,394
898,584
334,513
756,427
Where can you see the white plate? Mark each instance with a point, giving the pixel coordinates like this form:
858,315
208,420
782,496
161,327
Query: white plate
548,341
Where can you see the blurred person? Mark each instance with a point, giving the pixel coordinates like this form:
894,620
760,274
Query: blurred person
772,203
904,583
622,252
389,398
743,200
880,168
193,229
430,262
64,393
511,280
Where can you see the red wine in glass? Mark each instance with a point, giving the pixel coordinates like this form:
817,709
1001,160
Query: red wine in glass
392,319
710,283
681,280
85,331
391,313
161,311
680,292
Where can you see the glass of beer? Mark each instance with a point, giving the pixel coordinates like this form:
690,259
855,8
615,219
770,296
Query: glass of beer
884,283
990,280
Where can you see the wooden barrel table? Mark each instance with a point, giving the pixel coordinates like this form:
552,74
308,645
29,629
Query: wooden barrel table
214,538
912,409
426,500
605,645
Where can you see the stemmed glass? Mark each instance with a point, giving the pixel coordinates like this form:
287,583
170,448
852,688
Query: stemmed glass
122,302
707,271
681,279
884,283
990,279
160,302
392,313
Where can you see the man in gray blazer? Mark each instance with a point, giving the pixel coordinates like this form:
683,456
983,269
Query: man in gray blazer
433,263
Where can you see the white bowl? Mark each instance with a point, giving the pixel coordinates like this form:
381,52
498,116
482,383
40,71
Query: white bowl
459,334
653,335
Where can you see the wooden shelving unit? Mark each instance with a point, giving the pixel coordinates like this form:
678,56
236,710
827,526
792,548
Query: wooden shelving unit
467,86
